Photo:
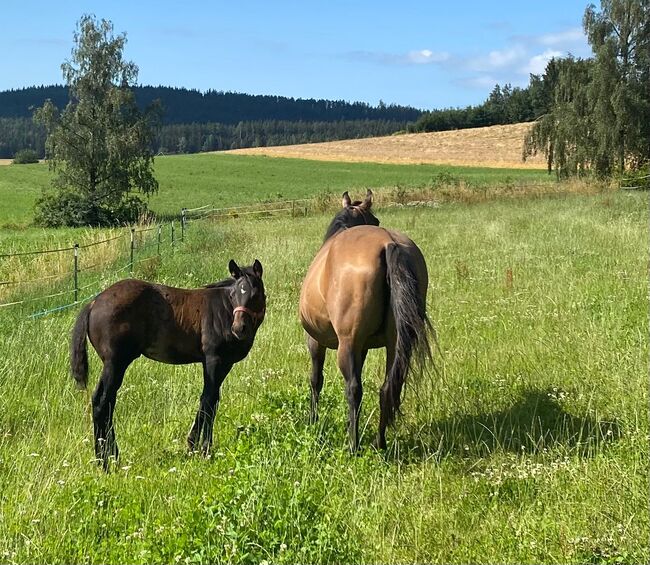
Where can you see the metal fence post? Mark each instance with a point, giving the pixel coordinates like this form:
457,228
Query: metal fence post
159,237
183,220
172,233
76,272
132,250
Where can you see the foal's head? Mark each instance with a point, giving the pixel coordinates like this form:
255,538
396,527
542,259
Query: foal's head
352,214
247,298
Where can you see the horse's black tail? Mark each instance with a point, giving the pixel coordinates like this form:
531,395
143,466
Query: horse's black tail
78,348
411,322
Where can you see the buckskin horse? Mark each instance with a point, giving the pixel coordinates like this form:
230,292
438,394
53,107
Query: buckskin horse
214,325
366,288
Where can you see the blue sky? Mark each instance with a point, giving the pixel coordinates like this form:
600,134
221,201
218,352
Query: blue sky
426,54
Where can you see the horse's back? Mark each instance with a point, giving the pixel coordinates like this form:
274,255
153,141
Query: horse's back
144,318
345,293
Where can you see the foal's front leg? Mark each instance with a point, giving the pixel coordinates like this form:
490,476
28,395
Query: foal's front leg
214,373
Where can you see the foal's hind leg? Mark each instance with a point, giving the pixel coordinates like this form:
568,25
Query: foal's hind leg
317,352
104,399
351,364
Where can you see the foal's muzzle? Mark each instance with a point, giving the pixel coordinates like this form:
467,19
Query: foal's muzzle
246,322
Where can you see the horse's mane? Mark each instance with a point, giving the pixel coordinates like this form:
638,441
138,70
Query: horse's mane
225,283
340,221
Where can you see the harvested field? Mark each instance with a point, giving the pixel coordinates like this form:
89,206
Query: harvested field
494,146
5,161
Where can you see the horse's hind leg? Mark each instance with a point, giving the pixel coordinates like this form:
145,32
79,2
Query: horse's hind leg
104,399
351,364
385,405
317,352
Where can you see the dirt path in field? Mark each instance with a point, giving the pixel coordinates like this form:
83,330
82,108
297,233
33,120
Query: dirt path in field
494,146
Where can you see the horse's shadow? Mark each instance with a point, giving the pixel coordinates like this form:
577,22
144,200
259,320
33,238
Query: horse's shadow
536,423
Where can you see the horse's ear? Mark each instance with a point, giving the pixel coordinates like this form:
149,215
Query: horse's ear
367,202
346,199
234,269
257,269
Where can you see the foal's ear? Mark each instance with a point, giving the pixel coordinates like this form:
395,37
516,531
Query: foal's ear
234,269
367,202
346,199
257,269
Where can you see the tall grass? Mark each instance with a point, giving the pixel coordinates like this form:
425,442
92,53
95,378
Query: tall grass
530,444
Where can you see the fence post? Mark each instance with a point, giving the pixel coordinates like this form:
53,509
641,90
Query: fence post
183,220
132,250
293,208
172,233
76,272
159,237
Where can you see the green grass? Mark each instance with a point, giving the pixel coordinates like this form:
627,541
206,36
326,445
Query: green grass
530,446
225,180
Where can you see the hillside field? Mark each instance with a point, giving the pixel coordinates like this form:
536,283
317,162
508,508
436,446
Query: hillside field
493,146
529,445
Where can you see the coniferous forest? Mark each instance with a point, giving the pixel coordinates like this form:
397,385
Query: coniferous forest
194,121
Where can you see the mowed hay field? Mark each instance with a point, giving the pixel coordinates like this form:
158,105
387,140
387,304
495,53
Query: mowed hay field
494,146
529,445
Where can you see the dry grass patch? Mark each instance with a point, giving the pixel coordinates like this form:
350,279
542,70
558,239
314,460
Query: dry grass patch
494,146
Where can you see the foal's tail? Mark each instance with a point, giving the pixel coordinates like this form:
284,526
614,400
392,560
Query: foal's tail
411,322
78,348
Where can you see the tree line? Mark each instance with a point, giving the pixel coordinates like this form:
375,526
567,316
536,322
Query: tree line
504,105
17,134
185,106
195,137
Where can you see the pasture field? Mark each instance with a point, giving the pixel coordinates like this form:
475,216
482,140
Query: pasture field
227,180
528,445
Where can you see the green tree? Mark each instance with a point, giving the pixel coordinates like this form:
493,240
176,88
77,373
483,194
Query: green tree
564,134
600,109
99,146
620,37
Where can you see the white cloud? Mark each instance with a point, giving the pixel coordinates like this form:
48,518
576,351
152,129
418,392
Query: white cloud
562,38
537,64
498,59
420,57
426,56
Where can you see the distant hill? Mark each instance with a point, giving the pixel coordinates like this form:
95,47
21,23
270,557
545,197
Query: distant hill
196,121
185,106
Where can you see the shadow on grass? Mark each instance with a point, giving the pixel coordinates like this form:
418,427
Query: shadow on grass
535,423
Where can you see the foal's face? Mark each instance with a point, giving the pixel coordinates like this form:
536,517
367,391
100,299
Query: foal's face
248,299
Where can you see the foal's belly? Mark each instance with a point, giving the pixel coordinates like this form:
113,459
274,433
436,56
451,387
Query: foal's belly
173,352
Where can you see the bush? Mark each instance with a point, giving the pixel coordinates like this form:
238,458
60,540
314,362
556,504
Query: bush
69,208
25,156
